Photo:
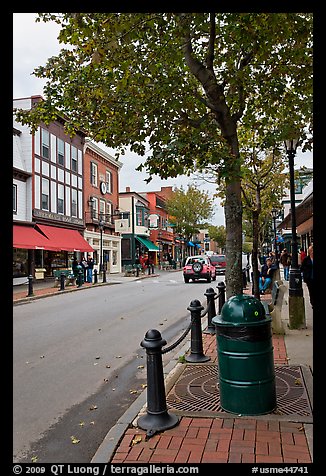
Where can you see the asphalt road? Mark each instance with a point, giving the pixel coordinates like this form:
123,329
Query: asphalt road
78,363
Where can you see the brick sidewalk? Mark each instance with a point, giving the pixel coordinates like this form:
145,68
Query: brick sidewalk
220,439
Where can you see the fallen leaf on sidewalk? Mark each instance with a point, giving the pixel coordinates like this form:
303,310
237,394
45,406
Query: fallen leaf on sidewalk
136,440
93,407
34,459
74,440
132,391
140,366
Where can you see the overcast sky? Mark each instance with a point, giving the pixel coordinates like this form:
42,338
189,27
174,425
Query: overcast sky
33,44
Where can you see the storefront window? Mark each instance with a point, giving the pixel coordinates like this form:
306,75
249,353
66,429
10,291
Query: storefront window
114,258
20,262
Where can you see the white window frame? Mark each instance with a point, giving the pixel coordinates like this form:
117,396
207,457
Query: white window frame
61,153
74,159
61,197
102,209
94,174
45,181
95,208
74,203
14,199
45,143
108,179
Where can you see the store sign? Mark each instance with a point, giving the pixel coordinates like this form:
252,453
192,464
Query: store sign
121,225
56,217
153,221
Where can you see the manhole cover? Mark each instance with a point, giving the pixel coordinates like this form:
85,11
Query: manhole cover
197,391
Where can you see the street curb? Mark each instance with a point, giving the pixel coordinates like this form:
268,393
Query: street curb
109,283
111,440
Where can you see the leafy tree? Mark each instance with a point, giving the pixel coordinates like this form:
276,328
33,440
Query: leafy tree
181,84
263,185
218,234
189,209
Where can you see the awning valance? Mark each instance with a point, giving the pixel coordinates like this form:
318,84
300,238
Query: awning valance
147,243
27,237
65,239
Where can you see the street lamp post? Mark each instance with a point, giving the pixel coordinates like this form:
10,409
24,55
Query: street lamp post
101,226
274,216
296,299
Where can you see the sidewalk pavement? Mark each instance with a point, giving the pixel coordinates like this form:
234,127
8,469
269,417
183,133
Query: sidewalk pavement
208,437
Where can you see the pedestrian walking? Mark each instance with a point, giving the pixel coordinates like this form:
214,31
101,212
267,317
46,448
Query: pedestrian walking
307,273
285,261
90,266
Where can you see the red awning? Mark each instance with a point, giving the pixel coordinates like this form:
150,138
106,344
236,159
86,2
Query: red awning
65,239
28,237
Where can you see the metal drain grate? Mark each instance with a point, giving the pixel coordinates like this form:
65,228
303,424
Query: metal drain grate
197,390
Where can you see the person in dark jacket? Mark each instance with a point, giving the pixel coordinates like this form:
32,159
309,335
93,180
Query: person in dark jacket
266,275
74,267
307,272
90,266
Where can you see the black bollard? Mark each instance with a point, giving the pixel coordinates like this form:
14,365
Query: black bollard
30,286
149,269
221,298
196,352
152,269
95,276
210,295
104,275
157,417
137,270
80,278
62,281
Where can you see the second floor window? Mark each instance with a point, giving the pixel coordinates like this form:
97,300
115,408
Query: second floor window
73,202
73,159
45,144
14,204
61,152
45,194
102,210
93,174
108,182
61,202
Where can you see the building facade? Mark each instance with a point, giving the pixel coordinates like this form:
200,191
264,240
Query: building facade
101,204
136,246
47,196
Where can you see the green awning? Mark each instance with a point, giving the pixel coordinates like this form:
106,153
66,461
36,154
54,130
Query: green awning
148,243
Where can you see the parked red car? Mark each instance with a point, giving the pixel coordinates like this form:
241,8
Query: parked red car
219,261
199,267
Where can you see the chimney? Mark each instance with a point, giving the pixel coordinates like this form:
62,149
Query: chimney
127,189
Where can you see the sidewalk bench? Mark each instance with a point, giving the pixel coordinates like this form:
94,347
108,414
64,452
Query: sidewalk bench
70,279
131,270
166,265
274,308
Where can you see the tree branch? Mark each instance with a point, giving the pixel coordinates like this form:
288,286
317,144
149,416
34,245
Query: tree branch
212,35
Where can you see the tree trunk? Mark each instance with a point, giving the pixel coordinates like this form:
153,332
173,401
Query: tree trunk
254,258
233,225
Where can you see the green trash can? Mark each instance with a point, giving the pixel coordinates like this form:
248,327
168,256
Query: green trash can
245,357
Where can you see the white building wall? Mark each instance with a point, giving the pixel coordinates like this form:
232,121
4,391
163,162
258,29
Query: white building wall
21,214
